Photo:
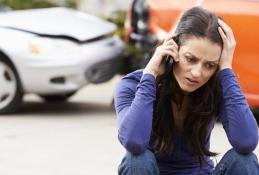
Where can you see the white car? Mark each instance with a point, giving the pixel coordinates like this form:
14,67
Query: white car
54,52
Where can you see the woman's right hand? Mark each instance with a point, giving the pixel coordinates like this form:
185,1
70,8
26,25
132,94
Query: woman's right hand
156,65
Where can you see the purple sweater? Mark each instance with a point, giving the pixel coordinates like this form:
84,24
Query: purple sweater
134,98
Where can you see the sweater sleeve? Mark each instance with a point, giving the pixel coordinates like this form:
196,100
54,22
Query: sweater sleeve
134,108
237,119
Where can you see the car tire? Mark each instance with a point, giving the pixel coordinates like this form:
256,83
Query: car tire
11,90
57,98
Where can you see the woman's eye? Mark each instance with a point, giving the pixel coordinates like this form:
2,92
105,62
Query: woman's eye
190,59
210,65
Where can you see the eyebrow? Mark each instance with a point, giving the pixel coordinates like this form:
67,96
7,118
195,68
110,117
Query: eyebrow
215,62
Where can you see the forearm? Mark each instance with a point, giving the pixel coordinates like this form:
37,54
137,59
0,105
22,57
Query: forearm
135,115
236,116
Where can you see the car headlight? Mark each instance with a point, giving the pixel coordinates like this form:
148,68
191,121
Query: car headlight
41,45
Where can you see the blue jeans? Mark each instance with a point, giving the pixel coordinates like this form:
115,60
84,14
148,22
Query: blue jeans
232,163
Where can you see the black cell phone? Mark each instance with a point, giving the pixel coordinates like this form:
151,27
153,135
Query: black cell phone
169,60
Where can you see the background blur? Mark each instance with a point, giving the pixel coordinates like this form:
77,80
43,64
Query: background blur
77,137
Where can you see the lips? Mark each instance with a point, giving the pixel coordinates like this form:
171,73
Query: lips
192,82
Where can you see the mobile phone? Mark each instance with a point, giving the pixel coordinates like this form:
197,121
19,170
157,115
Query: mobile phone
169,60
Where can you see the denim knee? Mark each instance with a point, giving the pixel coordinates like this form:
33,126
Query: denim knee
142,164
234,163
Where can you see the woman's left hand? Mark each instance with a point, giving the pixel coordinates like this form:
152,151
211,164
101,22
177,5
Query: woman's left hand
229,44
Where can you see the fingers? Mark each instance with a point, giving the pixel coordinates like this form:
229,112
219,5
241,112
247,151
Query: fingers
171,42
226,32
174,53
225,27
222,34
170,36
173,48
167,50
169,53
229,44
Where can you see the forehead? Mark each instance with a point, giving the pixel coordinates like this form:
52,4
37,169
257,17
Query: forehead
202,48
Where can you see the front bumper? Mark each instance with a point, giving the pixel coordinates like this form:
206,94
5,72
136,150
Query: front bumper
95,63
104,71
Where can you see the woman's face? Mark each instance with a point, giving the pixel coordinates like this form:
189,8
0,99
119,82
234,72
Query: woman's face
198,61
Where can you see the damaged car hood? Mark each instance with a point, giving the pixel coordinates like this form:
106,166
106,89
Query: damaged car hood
57,22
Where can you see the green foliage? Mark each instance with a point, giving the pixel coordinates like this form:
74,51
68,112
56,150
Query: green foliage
71,3
135,54
29,4
118,18
26,4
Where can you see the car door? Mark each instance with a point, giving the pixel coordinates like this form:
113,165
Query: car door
243,17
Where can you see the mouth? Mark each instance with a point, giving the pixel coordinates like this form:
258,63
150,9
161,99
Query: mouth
191,82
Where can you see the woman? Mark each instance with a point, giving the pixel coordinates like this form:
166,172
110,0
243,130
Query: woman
167,111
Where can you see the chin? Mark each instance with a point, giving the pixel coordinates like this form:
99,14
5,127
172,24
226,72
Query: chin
188,89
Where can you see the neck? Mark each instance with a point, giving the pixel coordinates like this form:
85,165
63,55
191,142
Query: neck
184,102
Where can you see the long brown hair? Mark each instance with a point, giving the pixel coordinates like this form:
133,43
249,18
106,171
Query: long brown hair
199,23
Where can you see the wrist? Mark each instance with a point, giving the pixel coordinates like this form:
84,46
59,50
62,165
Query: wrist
225,67
152,72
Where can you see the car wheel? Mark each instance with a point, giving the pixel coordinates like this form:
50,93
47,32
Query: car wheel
10,90
57,98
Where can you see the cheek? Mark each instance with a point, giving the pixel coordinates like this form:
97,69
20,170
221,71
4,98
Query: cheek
181,66
207,76
178,69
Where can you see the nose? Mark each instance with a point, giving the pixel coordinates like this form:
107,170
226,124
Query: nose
196,71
